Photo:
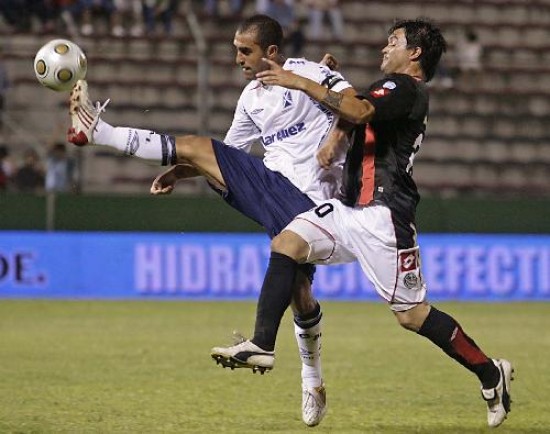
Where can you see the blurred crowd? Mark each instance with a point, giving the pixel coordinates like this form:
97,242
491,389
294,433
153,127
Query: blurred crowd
316,19
29,173
55,170
88,17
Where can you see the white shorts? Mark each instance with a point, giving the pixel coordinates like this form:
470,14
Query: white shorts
338,234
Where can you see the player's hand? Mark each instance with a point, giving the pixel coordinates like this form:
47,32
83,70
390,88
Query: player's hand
334,146
325,156
330,62
277,76
164,183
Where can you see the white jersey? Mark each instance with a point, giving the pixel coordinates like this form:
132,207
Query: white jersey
291,126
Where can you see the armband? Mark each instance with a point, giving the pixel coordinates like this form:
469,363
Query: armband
330,81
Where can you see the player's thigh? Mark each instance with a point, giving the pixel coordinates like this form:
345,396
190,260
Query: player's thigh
338,234
199,152
323,229
394,273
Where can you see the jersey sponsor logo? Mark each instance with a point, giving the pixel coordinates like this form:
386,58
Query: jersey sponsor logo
283,134
287,99
296,62
378,93
256,111
389,85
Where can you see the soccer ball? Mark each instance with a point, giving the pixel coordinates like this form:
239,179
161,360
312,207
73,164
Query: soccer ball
59,64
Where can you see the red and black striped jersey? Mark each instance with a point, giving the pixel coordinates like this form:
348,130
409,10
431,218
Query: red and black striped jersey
380,160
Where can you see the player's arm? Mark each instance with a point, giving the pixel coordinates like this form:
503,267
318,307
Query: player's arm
243,131
334,145
166,181
357,111
337,141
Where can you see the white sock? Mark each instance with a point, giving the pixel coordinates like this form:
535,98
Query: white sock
145,144
309,345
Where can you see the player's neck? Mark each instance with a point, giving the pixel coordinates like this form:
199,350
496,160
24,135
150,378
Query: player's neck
414,71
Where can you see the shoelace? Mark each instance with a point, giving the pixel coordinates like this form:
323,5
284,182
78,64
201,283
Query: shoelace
101,107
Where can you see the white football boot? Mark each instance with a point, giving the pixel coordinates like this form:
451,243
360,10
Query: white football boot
244,354
498,398
314,404
84,115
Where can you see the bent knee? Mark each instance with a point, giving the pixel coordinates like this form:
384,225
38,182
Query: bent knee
406,323
290,244
189,147
413,319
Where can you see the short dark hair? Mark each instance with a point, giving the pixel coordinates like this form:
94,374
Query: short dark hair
423,33
268,31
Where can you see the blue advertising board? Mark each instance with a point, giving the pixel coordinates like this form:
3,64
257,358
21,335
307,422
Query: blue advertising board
231,266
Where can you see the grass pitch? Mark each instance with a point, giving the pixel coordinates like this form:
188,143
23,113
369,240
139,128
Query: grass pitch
144,367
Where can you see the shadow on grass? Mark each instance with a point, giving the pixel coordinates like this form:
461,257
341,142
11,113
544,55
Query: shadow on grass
435,429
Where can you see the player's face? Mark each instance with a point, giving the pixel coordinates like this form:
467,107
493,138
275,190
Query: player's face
396,54
249,54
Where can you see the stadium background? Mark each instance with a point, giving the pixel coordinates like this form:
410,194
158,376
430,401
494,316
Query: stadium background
483,172
484,166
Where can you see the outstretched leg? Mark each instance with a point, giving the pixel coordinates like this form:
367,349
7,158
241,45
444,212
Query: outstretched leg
162,149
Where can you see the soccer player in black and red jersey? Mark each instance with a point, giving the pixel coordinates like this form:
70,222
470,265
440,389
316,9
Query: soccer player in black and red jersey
374,221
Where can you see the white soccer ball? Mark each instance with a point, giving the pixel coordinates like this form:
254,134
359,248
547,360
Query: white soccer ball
59,64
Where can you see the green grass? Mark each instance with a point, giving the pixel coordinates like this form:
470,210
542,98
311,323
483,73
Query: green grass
144,367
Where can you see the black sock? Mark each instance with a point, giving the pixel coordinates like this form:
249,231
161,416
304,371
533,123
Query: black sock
274,299
447,334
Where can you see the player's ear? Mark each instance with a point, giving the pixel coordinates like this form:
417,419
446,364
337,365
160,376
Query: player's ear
272,52
415,54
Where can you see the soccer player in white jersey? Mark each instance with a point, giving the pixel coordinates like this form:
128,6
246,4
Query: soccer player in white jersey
374,221
301,167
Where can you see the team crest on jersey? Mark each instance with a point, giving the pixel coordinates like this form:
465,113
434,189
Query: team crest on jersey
386,88
287,99
410,280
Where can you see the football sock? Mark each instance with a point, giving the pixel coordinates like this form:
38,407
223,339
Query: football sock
145,144
274,299
307,329
447,334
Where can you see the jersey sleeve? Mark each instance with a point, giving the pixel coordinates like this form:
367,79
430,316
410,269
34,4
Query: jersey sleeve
334,80
392,98
318,73
243,131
